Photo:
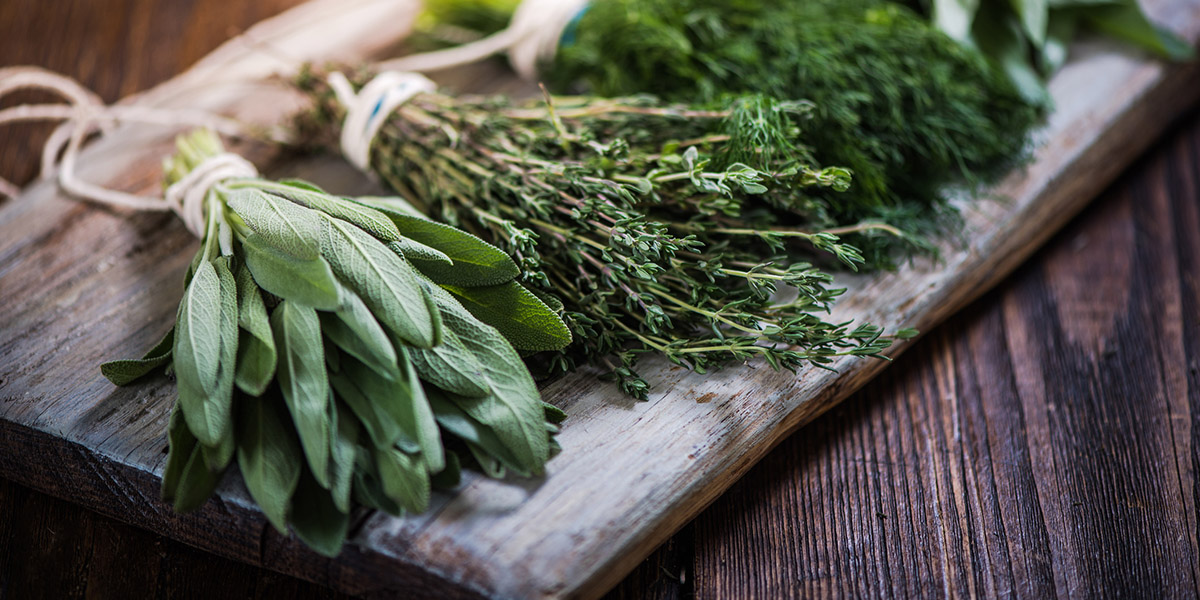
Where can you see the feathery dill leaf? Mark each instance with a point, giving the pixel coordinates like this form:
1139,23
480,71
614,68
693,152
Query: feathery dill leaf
904,107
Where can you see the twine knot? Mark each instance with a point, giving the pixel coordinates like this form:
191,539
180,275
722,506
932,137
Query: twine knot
369,109
186,196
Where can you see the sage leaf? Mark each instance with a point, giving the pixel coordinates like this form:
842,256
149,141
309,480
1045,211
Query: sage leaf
198,353
379,403
451,366
488,463
256,346
1035,15
187,483
1000,38
308,281
303,380
387,284
283,225
316,519
474,261
364,217
354,329
344,450
450,476
523,319
1125,20
404,479
418,419
124,372
414,250
513,409
458,423
269,457
368,490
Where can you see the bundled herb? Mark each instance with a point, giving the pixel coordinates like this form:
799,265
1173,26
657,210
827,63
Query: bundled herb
905,108
1029,40
343,351
656,229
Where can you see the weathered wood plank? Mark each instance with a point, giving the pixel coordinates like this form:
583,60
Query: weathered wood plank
1039,444
631,474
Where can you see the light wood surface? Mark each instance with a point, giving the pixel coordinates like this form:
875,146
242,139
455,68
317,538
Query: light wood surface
84,285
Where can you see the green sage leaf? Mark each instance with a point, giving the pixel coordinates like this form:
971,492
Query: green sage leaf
344,445
285,226
187,483
1125,20
307,281
458,423
523,319
303,380
368,489
256,346
204,380
404,479
269,457
414,250
381,404
124,372
474,261
513,409
316,519
364,217
387,284
353,329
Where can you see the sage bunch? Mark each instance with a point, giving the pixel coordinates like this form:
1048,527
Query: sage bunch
656,228
343,351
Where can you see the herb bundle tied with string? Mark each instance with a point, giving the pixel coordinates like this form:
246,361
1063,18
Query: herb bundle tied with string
653,228
342,351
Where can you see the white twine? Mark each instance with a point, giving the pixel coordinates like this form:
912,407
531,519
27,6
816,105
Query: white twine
531,38
369,109
186,196
86,114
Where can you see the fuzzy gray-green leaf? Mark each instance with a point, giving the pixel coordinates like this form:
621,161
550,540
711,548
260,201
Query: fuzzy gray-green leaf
344,450
458,423
475,262
256,346
404,479
513,409
379,403
306,281
269,457
364,217
354,329
518,315
124,372
414,250
198,357
316,518
387,284
284,225
304,382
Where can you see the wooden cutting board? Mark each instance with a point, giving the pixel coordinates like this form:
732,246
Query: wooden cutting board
80,285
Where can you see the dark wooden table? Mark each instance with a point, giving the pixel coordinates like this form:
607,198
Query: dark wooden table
1041,443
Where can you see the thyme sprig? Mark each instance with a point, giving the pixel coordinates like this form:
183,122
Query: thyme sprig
657,228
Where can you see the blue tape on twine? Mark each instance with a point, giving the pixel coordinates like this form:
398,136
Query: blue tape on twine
568,34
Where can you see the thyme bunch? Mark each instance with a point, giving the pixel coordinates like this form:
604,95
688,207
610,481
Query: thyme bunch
655,228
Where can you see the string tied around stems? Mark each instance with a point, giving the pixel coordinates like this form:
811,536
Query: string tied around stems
531,38
369,109
85,114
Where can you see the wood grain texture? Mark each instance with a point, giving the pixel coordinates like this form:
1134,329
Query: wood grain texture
108,443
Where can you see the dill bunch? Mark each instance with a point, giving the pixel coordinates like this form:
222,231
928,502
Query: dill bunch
655,229
904,107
